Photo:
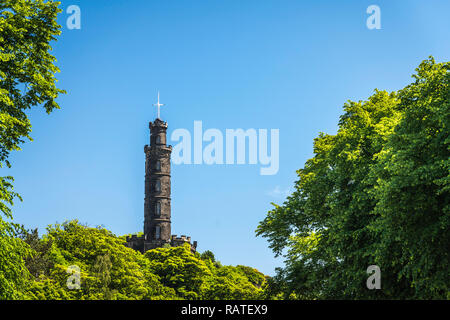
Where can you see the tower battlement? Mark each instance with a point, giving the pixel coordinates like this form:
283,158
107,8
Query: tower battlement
157,123
179,241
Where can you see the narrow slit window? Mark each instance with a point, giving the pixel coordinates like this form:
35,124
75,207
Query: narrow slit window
158,186
157,232
158,208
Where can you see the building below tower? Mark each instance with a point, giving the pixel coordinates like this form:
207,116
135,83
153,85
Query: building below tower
139,243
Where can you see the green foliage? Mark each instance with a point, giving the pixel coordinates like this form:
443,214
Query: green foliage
26,80
234,283
109,270
374,193
44,288
195,276
38,262
208,255
255,277
179,269
26,67
13,252
413,184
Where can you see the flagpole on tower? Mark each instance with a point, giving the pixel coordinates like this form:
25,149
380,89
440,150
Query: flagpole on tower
158,105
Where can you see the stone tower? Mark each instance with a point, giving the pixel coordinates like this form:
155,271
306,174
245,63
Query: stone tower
157,211
157,231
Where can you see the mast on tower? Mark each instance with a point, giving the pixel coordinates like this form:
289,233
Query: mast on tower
158,105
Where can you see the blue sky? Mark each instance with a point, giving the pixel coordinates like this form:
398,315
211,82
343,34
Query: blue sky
287,65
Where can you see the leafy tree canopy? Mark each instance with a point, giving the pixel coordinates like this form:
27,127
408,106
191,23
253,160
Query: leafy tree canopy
27,79
377,192
110,270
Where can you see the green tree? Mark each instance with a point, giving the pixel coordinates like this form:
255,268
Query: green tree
343,216
324,225
179,269
26,80
413,184
38,262
109,270
102,270
27,69
208,255
44,288
13,273
196,276
234,283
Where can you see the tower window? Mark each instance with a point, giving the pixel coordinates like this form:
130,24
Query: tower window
158,208
157,232
158,139
158,186
158,165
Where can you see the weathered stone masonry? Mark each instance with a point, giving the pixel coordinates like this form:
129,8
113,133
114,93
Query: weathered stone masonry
157,211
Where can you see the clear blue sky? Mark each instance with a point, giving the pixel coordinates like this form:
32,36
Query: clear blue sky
289,65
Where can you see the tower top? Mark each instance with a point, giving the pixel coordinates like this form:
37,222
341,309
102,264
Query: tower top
158,105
